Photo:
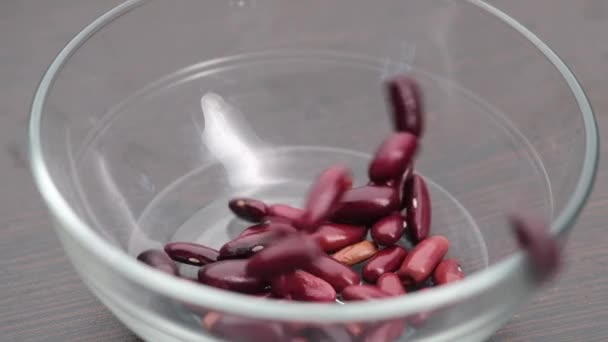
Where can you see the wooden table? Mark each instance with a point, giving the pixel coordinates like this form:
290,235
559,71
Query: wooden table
42,299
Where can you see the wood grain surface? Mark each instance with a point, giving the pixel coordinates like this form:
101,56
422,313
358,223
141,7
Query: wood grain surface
41,297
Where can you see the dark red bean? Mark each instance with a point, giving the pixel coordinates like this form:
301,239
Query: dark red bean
447,271
335,273
393,157
387,260
362,292
332,236
534,236
240,329
388,230
286,212
422,260
367,204
325,196
271,225
231,275
191,253
391,284
248,245
406,104
248,209
418,205
286,255
303,286
401,183
159,260
385,332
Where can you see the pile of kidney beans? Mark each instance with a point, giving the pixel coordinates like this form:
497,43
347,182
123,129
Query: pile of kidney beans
308,254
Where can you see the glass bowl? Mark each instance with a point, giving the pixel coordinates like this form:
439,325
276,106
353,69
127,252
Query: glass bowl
158,112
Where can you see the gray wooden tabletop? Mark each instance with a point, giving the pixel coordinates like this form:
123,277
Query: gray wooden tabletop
42,299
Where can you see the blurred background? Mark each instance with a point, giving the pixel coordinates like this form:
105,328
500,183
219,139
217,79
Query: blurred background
41,297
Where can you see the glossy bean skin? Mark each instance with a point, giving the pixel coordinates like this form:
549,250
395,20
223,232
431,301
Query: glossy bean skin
332,236
231,275
388,230
391,284
159,260
248,209
393,157
272,225
356,253
191,253
286,255
248,245
418,205
385,332
303,286
240,329
406,105
362,292
335,273
366,205
325,195
387,260
285,211
533,235
447,271
422,260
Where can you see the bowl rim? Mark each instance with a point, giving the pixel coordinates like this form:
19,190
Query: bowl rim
235,303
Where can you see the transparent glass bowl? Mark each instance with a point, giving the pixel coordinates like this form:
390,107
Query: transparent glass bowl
158,112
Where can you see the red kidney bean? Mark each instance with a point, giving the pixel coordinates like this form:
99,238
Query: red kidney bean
534,236
248,245
447,271
332,236
325,196
240,329
303,286
387,260
385,332
418,205
366,205
159,260
248,209
407,106
362,292
272,225
335,273
388,230
422,260
191,253
356,253
393,157
285,211
391,284
231,275
286,255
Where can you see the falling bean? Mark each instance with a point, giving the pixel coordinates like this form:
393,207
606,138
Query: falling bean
447,271
332,236
335,273
290,253
418,205
159,260
356,253
391,284
406,104
285,211
388,230
191,253
231,275
325,195
366,205
303,286
393,158
387,260
248,245
271,225
422,260
362,292
248,209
